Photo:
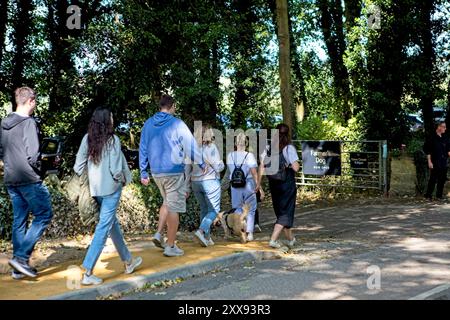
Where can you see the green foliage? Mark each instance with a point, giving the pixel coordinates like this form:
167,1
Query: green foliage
138,211
5,213
317,128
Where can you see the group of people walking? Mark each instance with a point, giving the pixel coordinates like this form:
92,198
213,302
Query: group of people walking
166,142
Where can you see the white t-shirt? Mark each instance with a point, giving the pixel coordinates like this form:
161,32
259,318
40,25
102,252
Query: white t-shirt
237,157
289,153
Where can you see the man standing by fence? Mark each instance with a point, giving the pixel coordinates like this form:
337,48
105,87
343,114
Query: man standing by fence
19,150
437,149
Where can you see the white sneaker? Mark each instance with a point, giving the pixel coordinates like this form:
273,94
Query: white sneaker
201,238
210,242
291,243
135,262
250,236
173,251
274,244
158,240
17,275
90,280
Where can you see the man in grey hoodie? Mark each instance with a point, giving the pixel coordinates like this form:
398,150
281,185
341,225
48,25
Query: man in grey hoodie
20,152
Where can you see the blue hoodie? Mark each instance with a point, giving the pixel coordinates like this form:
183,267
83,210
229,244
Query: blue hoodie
165,143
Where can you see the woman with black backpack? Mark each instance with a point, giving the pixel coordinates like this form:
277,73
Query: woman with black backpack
281,183
243,180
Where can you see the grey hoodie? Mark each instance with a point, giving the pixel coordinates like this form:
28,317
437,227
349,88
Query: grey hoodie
19,150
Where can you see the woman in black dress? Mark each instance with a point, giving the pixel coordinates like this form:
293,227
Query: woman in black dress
281,183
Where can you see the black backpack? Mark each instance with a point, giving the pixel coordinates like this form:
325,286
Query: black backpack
238,177
281,174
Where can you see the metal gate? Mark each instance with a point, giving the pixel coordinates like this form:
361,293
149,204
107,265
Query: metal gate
372,175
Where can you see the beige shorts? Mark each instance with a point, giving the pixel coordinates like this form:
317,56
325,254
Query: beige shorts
173,191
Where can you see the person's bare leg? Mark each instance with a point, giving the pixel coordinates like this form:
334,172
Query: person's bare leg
276,232
173,221
288,234
163,212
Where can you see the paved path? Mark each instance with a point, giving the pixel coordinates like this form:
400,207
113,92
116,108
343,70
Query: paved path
408,243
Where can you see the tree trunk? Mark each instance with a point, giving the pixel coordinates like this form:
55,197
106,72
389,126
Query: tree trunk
447,118
60,55
352,12
332,28
22,29
428,65
242,49
3,23
299,92
285,63
385,85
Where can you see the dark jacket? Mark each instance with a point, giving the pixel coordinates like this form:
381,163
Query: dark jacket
19,150
438,148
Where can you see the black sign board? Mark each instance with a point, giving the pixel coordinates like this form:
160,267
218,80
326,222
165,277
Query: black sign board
359,160
321,158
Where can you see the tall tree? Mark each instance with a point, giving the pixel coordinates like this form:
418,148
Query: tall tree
3,24
299,93
352,12
386,62
333,31
245,57
22,26
427,62
447,119
284,58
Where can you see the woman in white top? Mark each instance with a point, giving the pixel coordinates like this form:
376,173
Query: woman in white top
282,183
206,184
246,194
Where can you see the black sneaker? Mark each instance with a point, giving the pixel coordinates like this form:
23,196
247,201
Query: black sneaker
22,267
16,275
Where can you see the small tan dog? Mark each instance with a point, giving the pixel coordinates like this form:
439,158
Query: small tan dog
234,221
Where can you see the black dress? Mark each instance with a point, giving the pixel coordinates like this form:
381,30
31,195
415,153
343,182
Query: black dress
284,195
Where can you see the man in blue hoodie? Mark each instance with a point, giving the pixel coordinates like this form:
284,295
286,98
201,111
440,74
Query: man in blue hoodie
166,142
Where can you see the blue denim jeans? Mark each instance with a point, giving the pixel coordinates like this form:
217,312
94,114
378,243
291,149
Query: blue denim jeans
33,198
108,225
207,193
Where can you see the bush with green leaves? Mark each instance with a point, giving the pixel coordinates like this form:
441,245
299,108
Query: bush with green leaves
317,128
5,213
137,212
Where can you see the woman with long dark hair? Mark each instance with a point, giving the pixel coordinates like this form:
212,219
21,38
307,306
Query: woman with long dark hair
107,170
282,159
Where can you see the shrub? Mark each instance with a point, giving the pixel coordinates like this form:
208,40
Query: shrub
5,213
316,128
138,211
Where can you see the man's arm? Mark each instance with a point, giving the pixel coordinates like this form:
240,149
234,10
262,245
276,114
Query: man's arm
31,143
427,150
